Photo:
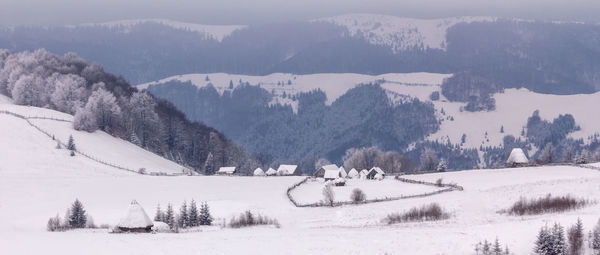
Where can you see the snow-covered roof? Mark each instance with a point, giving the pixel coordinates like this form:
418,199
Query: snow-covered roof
517,156
135,217
353,173
343,172
259,172
271,171
332,173
330,167
377,169
227,170
364,171
286,169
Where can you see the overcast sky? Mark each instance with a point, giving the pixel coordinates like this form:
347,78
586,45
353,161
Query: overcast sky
53,12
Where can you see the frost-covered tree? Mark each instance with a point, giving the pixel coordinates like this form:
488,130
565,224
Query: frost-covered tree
77,217
159,215
104,108
193,214
205,218
28,90
361,158
69,92
546,156
170,216
328,195
575,237
429,161
497,249
184,219
144,120
596,238
84,120
442,167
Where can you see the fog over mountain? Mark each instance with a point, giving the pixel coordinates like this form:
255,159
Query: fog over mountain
227,12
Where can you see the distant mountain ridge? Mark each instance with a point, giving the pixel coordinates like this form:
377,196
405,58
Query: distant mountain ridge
546,57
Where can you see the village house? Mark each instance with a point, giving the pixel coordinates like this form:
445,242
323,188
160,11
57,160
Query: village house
321,171
286,169
226,170
375,173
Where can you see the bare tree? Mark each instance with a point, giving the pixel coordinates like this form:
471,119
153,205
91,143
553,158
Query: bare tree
328,195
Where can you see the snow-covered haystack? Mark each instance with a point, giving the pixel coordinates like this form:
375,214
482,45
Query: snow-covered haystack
271,172
517,158
353,173
363,174
259,172
135,220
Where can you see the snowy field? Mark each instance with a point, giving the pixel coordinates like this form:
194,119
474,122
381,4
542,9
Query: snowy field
312,191
38,181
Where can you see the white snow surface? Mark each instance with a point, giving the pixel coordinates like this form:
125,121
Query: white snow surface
217,32
38,181
400,33
513,107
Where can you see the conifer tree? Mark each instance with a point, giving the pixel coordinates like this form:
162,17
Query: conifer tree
543,244
596,238
77,217
170,216
193,214
159,216
205,218
558,240
71,144
497,250
575,236
183,216
486,247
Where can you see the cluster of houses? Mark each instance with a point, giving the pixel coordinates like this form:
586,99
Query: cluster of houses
283,170
333,172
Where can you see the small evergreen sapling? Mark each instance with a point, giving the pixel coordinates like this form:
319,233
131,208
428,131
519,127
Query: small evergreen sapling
193,214
184,219
169,217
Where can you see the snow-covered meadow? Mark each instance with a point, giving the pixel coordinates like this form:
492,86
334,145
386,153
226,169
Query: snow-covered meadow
312,191
38,181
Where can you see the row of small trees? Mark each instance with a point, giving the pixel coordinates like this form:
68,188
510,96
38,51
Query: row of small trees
487,248
75,217
553,241
188,216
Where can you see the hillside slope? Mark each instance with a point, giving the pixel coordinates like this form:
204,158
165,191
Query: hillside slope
99,145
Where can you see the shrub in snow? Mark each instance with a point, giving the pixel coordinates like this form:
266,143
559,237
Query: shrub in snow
430,212
161,227
439,183
546,204
55,224
142,171
358,196
328,195
247,219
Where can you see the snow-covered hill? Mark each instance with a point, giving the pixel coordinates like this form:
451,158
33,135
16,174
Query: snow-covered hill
400,33
513,106
217,32
419,85
36,152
